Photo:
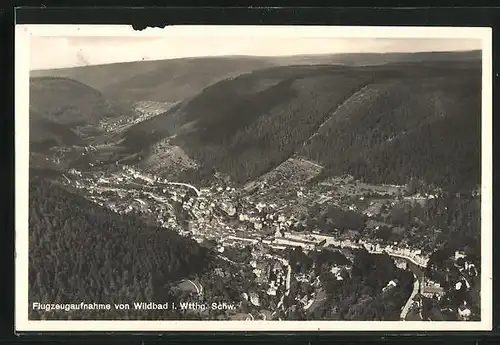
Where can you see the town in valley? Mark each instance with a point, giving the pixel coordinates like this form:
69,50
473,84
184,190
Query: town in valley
343,187
265,219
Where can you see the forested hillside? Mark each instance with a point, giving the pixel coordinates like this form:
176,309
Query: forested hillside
427,127
45,134
66,101
234,102
81,252
63,111
383,124
249,138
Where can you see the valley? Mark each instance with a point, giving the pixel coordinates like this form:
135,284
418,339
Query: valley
302,191
338,216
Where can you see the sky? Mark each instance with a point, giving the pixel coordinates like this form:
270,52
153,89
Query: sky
59,51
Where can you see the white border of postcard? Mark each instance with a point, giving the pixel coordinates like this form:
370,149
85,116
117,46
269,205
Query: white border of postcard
22,60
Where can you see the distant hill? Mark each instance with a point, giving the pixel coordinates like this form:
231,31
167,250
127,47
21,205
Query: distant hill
178,79
64,111
161,81
82,252
381,123
67,101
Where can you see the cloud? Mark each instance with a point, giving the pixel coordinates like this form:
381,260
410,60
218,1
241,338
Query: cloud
82,60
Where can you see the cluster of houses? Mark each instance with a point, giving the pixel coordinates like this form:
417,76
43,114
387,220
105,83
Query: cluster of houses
309,241
273,272
143,110
431,289
151,108
222,213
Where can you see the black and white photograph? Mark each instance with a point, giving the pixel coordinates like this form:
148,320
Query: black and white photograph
253,178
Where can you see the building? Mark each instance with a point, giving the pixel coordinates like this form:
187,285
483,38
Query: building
431,289
459,255
464,313
254,298
401,263
391,284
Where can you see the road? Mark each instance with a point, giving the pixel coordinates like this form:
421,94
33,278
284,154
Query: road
309,162
411,260
115,189
198,192
409,302
318,300
414,266
229,260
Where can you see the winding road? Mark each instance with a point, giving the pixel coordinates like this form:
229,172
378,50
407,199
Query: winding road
198,192
409,302
417,273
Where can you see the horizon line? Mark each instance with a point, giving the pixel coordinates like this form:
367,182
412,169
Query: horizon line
262,57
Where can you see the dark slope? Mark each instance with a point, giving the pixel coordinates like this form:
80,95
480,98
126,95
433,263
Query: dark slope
82,252
381,123
237,100
247,116
64,111
427,127
66,101
257,135
45,134
178,79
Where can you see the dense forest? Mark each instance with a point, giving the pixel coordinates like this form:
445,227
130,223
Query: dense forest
458,220
84,253
246,148
405,128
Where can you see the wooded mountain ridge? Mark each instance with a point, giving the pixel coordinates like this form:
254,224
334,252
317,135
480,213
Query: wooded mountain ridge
383,123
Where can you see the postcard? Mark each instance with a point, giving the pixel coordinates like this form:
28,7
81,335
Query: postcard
253,178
